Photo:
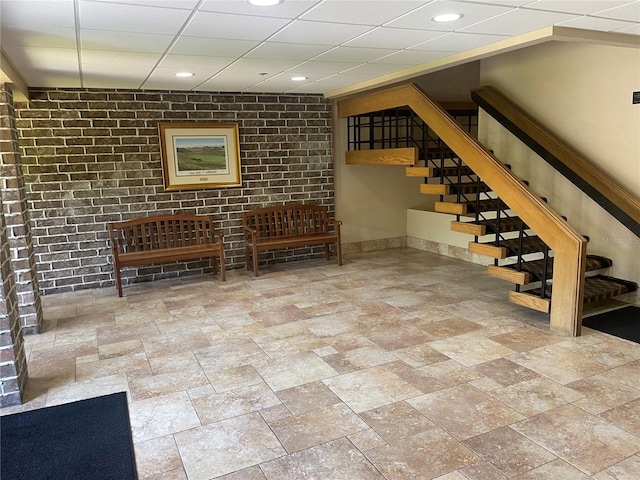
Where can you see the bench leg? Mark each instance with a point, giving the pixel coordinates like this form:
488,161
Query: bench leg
116,270
339,252
223,267
327,252
255,261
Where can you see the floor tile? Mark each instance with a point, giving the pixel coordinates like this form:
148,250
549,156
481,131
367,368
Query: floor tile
317,426
426,455
582,440
455,409
233,444
509,451
370,388
335,460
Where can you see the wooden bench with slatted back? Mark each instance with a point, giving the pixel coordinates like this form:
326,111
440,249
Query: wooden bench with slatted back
164,239
288,226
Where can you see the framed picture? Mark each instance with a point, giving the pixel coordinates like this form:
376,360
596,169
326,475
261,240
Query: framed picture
200,155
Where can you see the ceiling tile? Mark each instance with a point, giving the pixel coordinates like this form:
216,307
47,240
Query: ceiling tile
251,68
384,37
377,69
332,83
353,54
183,4
413,57
50,77
595,23
241,27
36,13
324,68
131,18
192,63
111,76
212,47
319,33
631,30
517,22
125,59
44,58
473,13
165,78
458,42
292,51
43,36
629,12
583,7
288,9
360,12
124,41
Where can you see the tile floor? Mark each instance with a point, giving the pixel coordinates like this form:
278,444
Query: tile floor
401,364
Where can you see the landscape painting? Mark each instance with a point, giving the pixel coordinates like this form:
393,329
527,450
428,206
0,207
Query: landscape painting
200,155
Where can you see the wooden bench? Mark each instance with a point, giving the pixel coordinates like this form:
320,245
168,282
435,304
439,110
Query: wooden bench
288,226
164,239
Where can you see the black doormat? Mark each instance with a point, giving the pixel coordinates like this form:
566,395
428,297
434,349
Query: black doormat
84,440
623,322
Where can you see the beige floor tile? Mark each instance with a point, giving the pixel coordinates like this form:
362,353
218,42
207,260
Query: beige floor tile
157,456
370,388
335,460
426,455
233,403
560,365
437,376
294,370
149,386
359,358
509,451
307,397
233,444
582,440
317,426
628,469
469,349
364,364
552,470
397,421
455,409
535,396
626,416
160,416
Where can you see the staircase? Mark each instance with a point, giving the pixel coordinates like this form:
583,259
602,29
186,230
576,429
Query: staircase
531,245
519,255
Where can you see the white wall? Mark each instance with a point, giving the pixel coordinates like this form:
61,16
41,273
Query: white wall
582,93
372,200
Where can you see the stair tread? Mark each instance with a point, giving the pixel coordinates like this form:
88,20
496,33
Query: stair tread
535,267
531,244
507,224
596,288
485,205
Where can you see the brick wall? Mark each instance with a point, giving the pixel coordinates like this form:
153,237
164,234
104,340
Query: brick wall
16,212
13,363
92,156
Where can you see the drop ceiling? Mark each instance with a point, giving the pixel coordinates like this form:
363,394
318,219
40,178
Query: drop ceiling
235,46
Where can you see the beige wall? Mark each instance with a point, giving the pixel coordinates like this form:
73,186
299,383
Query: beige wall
372,200
582,93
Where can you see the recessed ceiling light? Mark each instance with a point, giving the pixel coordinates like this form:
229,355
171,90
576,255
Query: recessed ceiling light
184,74
298,78
447,17
265,3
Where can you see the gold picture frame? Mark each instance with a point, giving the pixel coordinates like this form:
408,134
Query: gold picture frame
200,155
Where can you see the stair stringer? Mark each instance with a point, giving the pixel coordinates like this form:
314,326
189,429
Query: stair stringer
568,245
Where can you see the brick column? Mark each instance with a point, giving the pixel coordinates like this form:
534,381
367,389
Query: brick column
13,362
16,213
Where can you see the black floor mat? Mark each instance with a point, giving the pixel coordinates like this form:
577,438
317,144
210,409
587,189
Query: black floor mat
623,322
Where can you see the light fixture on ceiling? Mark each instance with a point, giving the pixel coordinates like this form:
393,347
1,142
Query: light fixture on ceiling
447,17
184,74
265,3
299,78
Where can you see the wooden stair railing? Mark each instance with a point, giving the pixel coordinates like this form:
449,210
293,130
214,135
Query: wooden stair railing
614,198
568,245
